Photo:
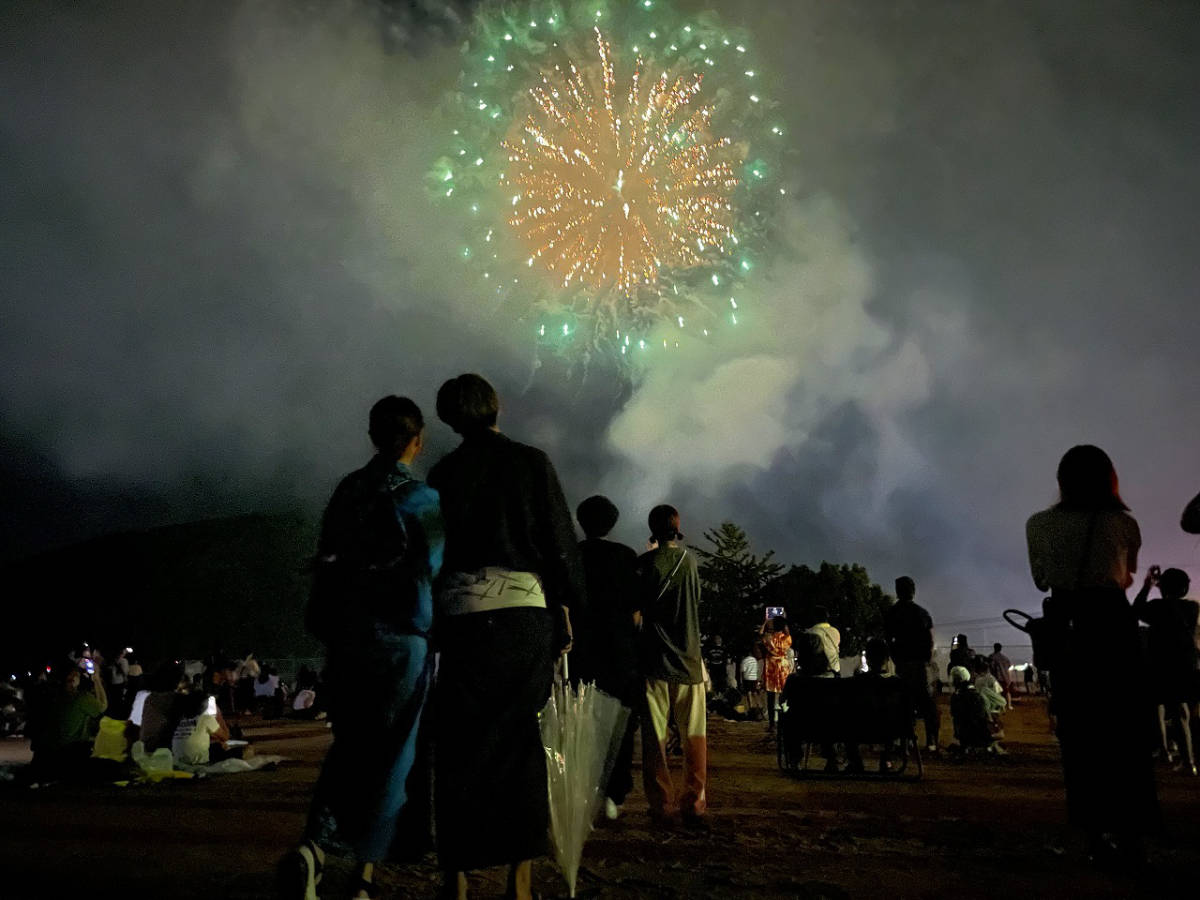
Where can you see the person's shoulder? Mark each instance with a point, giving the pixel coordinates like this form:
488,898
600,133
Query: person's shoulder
1041,519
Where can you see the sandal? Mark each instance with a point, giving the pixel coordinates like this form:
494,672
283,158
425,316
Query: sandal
362,886
301,871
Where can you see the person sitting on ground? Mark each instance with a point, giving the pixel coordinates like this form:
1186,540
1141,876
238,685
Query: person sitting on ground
157,710
969,712
199,727
62,748
1171,653
220,681
831,639
988,688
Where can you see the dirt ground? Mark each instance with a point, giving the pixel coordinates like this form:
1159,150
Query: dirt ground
983,828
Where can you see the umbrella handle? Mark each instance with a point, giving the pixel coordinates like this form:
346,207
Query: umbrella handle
566,667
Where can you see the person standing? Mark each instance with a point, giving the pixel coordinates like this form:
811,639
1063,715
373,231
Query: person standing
669,591
607,650
379,551
1171,653
512,578
830,638
1084,550
909,629
1000,666
777,664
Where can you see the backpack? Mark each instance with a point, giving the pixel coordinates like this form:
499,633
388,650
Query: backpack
361,571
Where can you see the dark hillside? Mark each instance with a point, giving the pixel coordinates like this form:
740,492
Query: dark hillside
182,591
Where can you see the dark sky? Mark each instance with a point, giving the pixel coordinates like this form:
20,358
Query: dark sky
216,251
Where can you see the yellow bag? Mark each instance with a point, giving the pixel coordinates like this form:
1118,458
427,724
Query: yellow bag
110,741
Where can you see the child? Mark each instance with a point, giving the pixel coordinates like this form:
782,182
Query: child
989,688
1172,652
969,712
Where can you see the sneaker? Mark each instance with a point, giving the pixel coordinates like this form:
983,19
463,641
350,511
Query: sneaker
612,809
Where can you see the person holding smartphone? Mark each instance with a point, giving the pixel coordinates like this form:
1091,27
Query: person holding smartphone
62,748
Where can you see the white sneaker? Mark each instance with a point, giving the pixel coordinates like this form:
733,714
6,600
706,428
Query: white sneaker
611,811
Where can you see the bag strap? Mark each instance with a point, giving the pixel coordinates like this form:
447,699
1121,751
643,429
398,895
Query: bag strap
672,575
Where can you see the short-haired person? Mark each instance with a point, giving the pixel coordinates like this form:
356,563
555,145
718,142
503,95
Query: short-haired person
830,638
669,594
1084,550
606,647
1171,656
909,630
512,577
382,535
999,665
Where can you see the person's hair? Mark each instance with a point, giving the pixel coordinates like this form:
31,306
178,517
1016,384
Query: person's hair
1087,480
664,523
1174,583
597,515
820,614
193,704
468,404
393,423
980,665
877,653
906,588
997,647
961,641
165,678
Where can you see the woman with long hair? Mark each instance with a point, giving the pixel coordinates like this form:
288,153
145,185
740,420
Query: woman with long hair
1084,550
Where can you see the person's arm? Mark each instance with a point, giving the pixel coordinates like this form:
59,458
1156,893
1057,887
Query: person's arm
220,732
1141,603
560,550
98,687
1190,521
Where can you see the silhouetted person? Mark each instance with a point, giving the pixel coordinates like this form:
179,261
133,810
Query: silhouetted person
1084,550
909,629
379,551
669,595
1171,652
606,651
511,579
999,665
961,654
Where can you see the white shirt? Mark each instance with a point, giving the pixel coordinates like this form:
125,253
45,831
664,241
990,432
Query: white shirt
266,688
1057,539
139,703
749,669
191,740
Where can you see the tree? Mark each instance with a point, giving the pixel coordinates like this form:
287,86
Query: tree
732,577
854,604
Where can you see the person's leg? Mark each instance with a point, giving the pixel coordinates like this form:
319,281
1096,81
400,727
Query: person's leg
1185,725
1162,732
454,886
771,698
656,773
520,881
620,782
690,716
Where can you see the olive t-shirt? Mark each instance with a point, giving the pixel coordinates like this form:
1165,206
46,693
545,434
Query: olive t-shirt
669,591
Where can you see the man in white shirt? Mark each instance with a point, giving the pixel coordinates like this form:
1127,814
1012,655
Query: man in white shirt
750,672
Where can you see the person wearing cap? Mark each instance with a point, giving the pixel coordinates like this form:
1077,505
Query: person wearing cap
669,656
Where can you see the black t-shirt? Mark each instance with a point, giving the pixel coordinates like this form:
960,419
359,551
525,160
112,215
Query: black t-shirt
909,630
605,636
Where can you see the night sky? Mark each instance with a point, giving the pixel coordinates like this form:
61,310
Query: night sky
216,250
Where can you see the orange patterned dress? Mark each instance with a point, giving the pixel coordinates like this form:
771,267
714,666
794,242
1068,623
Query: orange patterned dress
776,668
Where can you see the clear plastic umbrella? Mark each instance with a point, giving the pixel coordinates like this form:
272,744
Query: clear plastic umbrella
581,729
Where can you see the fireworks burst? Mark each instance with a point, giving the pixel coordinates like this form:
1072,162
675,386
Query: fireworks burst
609,193
613,215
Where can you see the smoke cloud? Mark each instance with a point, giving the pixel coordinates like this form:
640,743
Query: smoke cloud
217,251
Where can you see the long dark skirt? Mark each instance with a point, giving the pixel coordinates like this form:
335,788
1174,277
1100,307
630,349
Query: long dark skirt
379,683
1105,725
494,677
